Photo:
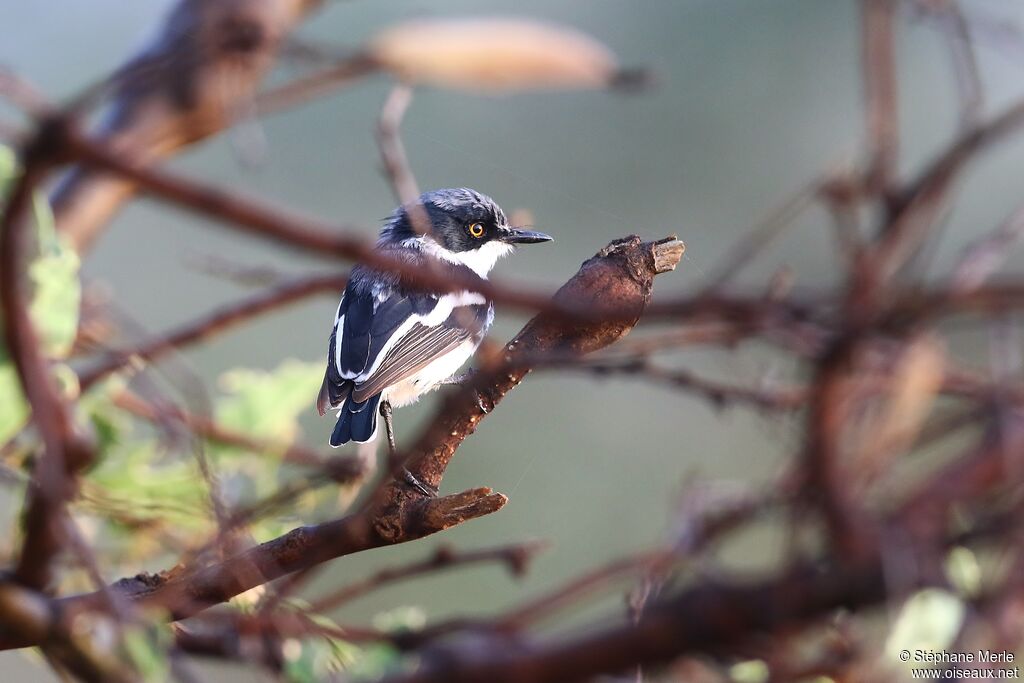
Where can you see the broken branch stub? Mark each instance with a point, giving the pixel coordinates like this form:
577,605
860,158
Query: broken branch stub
618,279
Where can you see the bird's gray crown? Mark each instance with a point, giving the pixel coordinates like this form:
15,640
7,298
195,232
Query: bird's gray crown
451,212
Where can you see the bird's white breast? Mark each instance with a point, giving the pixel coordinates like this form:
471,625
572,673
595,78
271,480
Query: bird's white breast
429,378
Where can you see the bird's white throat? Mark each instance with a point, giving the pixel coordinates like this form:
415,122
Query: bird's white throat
480,260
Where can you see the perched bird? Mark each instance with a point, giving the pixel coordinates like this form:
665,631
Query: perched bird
390,345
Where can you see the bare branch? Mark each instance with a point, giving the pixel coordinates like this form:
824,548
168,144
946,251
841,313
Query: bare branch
879,45
219,320
201,71
65,451
619,276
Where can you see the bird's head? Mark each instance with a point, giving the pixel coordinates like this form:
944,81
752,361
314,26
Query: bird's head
466,227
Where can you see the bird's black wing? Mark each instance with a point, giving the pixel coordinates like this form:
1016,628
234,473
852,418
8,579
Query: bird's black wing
417,348
364,329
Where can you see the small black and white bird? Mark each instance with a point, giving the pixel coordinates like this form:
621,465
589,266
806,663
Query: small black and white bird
391,345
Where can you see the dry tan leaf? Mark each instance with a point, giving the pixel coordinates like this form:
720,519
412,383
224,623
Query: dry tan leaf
915,383
495,55
912,387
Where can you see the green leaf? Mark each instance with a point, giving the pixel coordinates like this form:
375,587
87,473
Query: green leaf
134,480
15,410
53,307
267,404
750,671
401,618
147,651
57,293
309,661
964,571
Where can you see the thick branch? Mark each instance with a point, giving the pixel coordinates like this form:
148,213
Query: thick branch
709,616
193,81
619,277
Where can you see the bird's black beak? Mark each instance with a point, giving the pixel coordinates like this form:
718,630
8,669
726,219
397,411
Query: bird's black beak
520,236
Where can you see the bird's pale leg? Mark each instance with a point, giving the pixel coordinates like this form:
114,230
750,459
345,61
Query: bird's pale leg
389,427
389,430
462,379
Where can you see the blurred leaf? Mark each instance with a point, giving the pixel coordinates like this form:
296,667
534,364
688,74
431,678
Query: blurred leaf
56,289
406,618
311,660
915,381
8,166
963,571
494,55
318,658
300,662
56,295
373,661
268,404
752,671
910,391
930,620
147,652
132,486
15,411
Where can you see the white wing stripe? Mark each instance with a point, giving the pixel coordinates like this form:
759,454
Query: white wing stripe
337,344
339,326
445,305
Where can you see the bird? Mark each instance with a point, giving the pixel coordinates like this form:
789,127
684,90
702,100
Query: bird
391,344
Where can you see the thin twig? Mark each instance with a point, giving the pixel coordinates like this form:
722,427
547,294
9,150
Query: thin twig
215,322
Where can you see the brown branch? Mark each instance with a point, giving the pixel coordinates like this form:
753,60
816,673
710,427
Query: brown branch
259,218
314,85
878,55
706,517
194,80
253,216
965,63
619,277
919,202
393,156
64,451
717,393
215,322
710,616
339,469
756,240
29,614
984,256
516,557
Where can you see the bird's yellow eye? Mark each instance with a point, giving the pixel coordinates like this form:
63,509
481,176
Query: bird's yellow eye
476,230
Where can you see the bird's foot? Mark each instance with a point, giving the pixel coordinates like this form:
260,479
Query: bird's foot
411,480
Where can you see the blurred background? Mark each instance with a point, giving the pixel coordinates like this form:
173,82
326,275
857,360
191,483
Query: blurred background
752,100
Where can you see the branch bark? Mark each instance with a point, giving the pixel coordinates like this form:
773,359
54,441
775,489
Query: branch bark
620,278
708,617
194,80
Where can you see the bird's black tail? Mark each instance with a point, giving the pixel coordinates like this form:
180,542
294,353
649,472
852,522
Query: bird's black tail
357,421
